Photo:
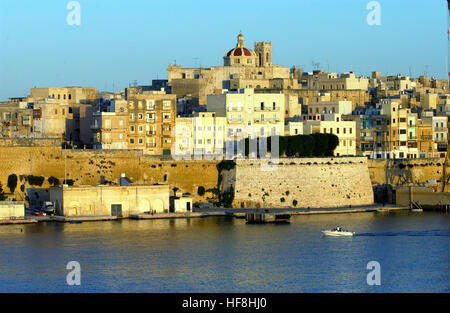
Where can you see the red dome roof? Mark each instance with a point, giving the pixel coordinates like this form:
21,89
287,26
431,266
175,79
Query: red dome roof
237,52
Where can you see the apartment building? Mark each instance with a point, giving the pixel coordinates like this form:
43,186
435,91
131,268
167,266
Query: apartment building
110,129
248,113
201,135
151,120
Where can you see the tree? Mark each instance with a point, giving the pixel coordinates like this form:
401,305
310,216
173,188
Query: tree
2,194
12,182
201,191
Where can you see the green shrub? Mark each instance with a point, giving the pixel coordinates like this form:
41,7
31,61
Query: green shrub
2,194
53,181
315,145
201,191
12,182
35,180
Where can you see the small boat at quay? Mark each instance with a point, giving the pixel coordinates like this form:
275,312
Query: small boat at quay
264,218
382,211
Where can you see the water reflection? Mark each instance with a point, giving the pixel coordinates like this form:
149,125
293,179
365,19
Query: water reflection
226,255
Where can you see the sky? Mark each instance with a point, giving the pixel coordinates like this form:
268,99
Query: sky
118,41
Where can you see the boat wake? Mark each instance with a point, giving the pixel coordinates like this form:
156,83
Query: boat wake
413,233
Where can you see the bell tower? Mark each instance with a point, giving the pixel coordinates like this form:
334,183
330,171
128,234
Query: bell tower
264,52
240,41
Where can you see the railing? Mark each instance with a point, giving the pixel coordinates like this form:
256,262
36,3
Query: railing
266,108
412,138
151,145
267,120
440,129
151,132
234,109
150,120
234,120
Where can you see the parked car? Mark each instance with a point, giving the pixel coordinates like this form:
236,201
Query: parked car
48,208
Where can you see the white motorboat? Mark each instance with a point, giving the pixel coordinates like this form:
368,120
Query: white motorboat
337,233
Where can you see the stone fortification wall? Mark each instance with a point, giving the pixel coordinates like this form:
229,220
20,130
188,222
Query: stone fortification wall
314,183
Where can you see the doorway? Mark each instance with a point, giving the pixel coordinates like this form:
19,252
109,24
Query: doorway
116,210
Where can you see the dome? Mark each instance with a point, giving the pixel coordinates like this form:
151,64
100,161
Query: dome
240,56
237,52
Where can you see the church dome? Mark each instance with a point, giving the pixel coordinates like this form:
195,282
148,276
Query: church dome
237,52
240,56
240,49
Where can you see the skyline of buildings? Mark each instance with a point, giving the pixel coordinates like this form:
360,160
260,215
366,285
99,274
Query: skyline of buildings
378,117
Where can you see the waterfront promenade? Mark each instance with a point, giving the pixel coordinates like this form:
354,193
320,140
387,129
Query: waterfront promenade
203,213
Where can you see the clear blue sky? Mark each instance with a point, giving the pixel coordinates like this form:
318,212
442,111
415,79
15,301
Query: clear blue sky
120,41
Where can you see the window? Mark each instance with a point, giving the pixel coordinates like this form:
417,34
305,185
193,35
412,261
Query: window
131,140
150,104
140,128
121,123
337,130
132,129
132,116
140,141
140,116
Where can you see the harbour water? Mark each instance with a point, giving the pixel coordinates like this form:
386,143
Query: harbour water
222,254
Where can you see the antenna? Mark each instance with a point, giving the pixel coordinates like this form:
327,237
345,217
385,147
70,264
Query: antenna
316,65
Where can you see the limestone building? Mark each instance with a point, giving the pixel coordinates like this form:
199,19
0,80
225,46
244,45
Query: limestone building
113,200
110,129
151,121
249,113
201,135
242,67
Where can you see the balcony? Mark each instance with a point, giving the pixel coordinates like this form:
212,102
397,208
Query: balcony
266,120
235,121
367,138
412,138
440,129
151,132
234,109
266,109
150,120
151,145
95,126
440,140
